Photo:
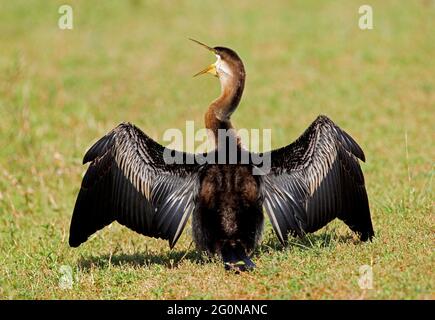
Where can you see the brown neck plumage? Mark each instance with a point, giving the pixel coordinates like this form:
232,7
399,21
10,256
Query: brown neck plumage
220,110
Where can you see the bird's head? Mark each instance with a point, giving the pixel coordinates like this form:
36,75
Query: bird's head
228,66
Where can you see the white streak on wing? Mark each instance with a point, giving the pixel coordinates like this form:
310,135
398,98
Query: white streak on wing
272,216
186,213
325,160
136,166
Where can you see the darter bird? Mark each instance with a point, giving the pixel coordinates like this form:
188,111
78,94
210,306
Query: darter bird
310,182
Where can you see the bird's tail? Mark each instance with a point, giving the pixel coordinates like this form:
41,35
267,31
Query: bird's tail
235,258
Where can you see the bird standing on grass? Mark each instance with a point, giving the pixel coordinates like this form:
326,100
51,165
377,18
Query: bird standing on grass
311,181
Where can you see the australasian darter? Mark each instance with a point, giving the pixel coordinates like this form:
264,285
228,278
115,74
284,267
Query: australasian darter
311,181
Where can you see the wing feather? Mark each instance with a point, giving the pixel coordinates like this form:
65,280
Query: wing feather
315,180
128,181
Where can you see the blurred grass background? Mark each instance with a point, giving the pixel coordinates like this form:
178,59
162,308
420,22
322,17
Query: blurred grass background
60,90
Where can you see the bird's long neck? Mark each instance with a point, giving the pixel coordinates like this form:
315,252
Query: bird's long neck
219,112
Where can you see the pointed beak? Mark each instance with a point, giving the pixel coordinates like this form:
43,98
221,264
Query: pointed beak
211,68
204,45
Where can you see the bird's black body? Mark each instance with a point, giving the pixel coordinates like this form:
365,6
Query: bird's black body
309,183
229,214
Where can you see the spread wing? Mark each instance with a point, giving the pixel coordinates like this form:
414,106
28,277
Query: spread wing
129,181
315,179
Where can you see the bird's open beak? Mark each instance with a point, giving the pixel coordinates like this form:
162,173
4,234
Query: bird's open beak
211,68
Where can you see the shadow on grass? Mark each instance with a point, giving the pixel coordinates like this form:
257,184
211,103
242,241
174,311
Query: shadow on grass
170,259
308,242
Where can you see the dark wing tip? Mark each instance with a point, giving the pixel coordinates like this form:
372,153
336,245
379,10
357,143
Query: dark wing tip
366,236
101,146
76,237
74,242
352,145
172,243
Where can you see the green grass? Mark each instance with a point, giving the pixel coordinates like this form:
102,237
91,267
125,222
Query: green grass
130,61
